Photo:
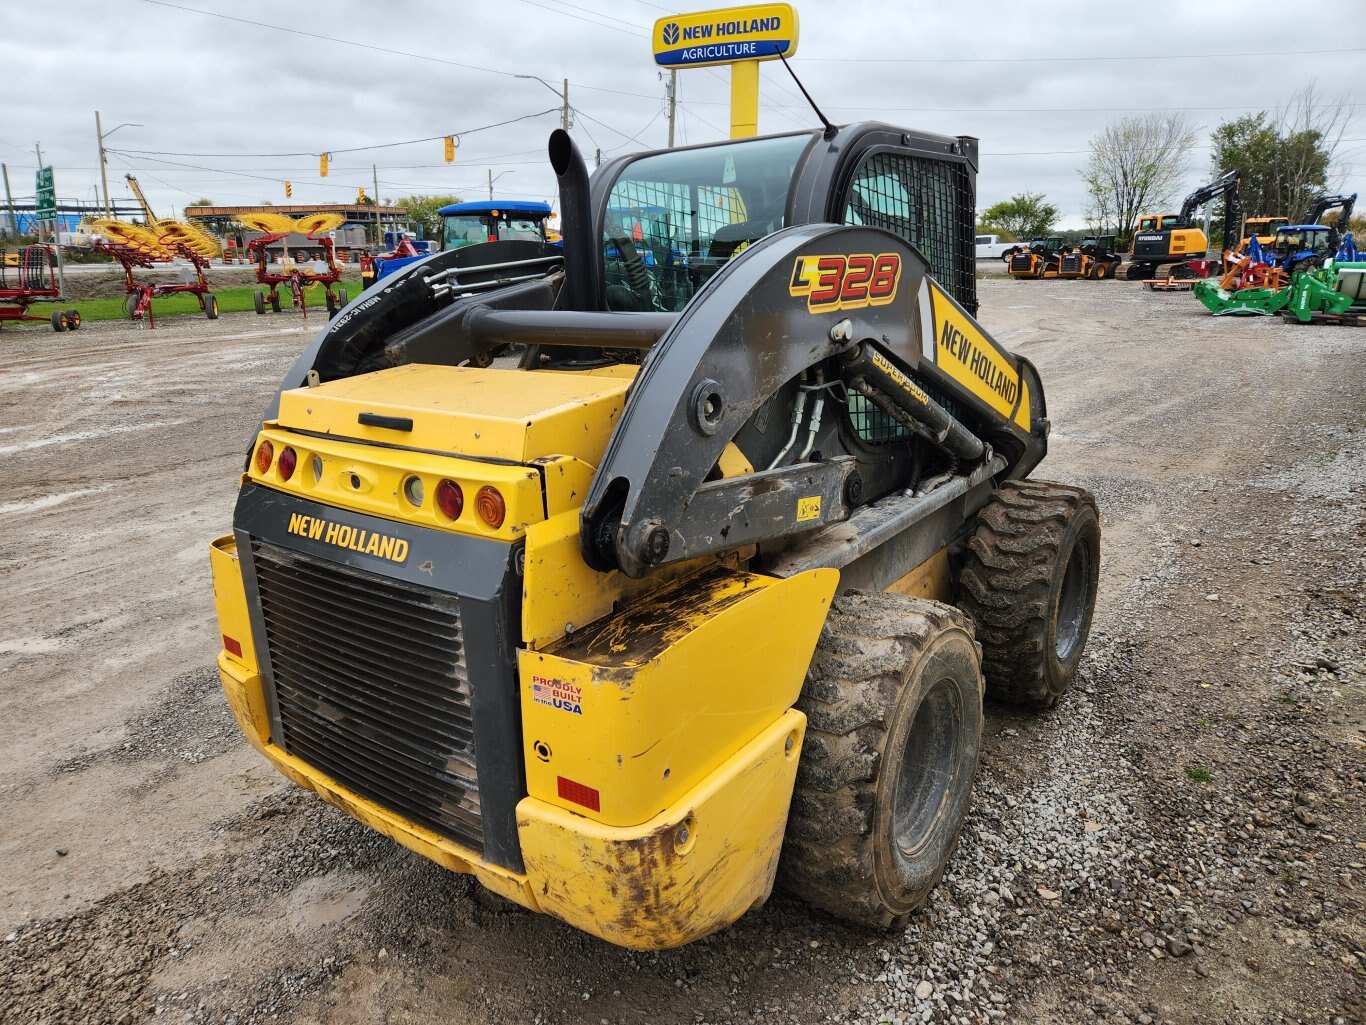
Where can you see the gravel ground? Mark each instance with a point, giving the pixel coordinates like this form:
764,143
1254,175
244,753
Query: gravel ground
1180,841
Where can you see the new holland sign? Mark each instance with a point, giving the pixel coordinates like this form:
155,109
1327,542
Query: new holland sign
761,32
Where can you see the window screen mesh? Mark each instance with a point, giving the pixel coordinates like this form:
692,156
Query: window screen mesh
927,202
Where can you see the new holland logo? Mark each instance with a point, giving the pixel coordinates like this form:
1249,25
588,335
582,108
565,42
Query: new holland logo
366,542
671,33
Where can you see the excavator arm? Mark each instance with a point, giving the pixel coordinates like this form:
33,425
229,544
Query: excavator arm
1323,204
1227,185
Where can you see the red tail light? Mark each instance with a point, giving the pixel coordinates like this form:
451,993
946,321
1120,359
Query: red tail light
265,455
450,499
231,646
491,506
288,460
579,793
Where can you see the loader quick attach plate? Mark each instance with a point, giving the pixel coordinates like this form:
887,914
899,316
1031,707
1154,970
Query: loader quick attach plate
382,661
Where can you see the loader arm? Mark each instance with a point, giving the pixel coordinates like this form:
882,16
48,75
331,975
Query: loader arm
786,305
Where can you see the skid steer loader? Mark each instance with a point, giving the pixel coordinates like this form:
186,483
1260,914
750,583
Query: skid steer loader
632,576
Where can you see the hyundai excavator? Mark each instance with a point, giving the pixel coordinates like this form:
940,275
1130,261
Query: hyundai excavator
1168,239
637,575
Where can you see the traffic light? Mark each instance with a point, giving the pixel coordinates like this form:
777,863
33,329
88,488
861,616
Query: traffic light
450,149
289,190
360,194
322,164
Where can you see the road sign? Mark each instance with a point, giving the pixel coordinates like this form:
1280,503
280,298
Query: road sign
46,205
757,33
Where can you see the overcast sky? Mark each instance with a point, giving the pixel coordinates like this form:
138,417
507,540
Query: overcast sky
202,84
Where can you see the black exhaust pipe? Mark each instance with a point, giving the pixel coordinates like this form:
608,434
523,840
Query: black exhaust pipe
576,224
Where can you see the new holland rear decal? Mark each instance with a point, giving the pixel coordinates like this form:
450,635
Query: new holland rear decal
839,282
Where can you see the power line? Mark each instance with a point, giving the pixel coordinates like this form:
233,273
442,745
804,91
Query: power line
1045,60
349,149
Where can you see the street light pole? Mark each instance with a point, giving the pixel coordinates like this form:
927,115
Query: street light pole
493,178
100,136
562,93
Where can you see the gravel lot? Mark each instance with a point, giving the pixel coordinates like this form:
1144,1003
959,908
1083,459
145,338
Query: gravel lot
1180,841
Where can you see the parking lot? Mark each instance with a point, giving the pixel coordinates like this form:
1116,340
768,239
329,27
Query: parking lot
1181,840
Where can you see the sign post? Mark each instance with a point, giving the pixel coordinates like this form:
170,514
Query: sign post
45,210
738,36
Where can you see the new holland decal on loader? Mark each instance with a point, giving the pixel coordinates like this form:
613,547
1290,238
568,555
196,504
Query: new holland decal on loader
636,575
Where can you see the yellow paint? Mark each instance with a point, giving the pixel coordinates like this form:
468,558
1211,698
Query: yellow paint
230,598
808,508
516,415
693,868
370,479
733,462
744,99
931,579
655,697
968,355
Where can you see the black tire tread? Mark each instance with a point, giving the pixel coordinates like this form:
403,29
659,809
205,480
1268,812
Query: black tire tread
1004,583
866,643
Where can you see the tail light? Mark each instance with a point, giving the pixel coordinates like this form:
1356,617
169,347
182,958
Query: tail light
288,460
265,455
450,499
491,506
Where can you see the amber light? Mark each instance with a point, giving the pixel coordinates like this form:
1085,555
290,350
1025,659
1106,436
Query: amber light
450,499
265,455
288,460
491,506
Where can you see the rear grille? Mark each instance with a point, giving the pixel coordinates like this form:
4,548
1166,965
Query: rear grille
371,687
1071,263
1021,262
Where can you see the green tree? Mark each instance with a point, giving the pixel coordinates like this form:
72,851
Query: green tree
1025,216
203,202
1284,158
1135,166
422,212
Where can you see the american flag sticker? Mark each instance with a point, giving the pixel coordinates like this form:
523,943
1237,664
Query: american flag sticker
557,694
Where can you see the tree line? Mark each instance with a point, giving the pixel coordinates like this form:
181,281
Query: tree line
1285,158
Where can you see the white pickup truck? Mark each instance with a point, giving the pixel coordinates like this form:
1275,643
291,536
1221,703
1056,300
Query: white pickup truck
991,247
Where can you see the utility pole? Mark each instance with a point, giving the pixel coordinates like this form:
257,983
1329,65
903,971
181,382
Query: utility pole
490,185
104,172
9,202
673,103
598,162
564,118
379,233
42,232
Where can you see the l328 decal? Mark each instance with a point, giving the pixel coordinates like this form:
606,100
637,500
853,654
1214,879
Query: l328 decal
840,282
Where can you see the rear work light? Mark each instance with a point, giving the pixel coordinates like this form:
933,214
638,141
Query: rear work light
491,506
450,499
265,455
288,460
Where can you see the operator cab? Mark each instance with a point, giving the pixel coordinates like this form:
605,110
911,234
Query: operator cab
1159,222
1303,240
468,224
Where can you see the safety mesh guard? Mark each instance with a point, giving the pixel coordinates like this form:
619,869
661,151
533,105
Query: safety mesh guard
930,204
872,425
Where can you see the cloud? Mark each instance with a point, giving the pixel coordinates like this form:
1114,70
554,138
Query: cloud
204,84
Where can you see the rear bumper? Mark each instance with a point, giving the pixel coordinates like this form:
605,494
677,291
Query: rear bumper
692,869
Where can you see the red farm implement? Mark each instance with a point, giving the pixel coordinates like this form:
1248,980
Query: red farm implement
27,275
295,276
135,246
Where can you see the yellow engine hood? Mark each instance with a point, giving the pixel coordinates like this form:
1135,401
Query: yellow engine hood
505,414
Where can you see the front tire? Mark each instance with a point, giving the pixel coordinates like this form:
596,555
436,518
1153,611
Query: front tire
1028,582
259,301
894,707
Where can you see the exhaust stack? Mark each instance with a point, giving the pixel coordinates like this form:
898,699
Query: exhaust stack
576,224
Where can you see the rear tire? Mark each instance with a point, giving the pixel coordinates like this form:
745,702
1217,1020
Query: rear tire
130,305
211,306
894,707
275,301
73,320
259,299
59,321
1028,582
